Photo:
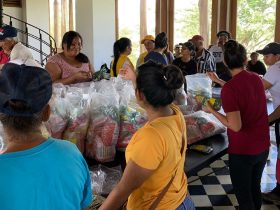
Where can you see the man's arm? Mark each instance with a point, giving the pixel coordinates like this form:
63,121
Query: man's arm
275,115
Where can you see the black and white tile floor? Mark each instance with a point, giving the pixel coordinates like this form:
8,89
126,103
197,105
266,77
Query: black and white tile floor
211,189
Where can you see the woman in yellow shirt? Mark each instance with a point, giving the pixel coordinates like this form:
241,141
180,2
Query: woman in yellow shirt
154,175
122,49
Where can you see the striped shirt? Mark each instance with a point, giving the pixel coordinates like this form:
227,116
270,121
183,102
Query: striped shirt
205,62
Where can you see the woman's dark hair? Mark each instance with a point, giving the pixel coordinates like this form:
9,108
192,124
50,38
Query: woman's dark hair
161,40
159,83
254,53
119,47
19,123
235,54
68,38
190,46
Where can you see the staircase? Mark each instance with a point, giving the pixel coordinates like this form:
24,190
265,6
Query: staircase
41,43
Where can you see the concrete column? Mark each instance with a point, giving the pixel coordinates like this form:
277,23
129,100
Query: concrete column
95,21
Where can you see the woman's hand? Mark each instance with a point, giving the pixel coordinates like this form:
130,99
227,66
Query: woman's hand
133,177
128,73
82,76
214,77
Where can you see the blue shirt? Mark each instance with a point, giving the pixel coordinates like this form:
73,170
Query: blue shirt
50,176
156,57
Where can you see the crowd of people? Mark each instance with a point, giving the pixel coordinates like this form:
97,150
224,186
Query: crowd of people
55,174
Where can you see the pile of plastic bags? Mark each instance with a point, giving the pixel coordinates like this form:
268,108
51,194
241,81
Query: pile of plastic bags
100,117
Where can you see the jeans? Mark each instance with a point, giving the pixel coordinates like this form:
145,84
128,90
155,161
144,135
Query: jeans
187,204
245,173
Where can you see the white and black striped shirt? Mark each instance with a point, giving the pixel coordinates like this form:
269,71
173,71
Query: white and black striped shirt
206,62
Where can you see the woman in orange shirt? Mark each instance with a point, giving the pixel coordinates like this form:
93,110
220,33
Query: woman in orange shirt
154,175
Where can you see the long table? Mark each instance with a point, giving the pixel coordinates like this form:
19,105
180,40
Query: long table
196,161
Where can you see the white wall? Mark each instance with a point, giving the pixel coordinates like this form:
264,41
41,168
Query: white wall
95,21
15,12
36,12
84,25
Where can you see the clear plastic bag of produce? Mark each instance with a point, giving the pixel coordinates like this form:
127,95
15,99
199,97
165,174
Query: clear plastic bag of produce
78,104
59,116
201,125
181,97
104,179
191,106
132,118
199,85
103,131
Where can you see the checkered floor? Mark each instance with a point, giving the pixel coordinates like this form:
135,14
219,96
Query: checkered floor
211,189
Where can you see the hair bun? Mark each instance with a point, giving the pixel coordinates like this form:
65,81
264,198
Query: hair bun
173,77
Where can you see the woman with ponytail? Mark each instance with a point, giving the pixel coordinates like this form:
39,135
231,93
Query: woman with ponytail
154,176
70,66
244,104
122,49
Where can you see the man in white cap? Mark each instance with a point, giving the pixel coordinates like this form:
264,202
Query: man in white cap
271,82
14,49
218,52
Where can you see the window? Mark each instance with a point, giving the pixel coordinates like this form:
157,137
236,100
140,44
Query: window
255,23
129,23
62,18
189,22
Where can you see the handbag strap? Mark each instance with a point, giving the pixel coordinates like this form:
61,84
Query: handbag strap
165,189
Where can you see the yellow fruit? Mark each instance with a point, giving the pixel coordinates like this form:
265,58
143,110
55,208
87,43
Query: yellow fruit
212,101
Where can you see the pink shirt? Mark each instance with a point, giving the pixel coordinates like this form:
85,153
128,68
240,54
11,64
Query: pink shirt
67,70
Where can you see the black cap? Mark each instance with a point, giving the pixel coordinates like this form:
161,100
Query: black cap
224,33
7,31
271,48
28,84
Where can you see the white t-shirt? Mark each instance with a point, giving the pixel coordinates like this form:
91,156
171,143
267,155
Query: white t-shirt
20,51
273,77
218,53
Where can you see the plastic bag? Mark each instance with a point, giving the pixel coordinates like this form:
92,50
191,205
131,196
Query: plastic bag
97,180
181,97
132,117
104,179
76,129
58,118
199,84
201,125
103,130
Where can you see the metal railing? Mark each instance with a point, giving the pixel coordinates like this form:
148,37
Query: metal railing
45,46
